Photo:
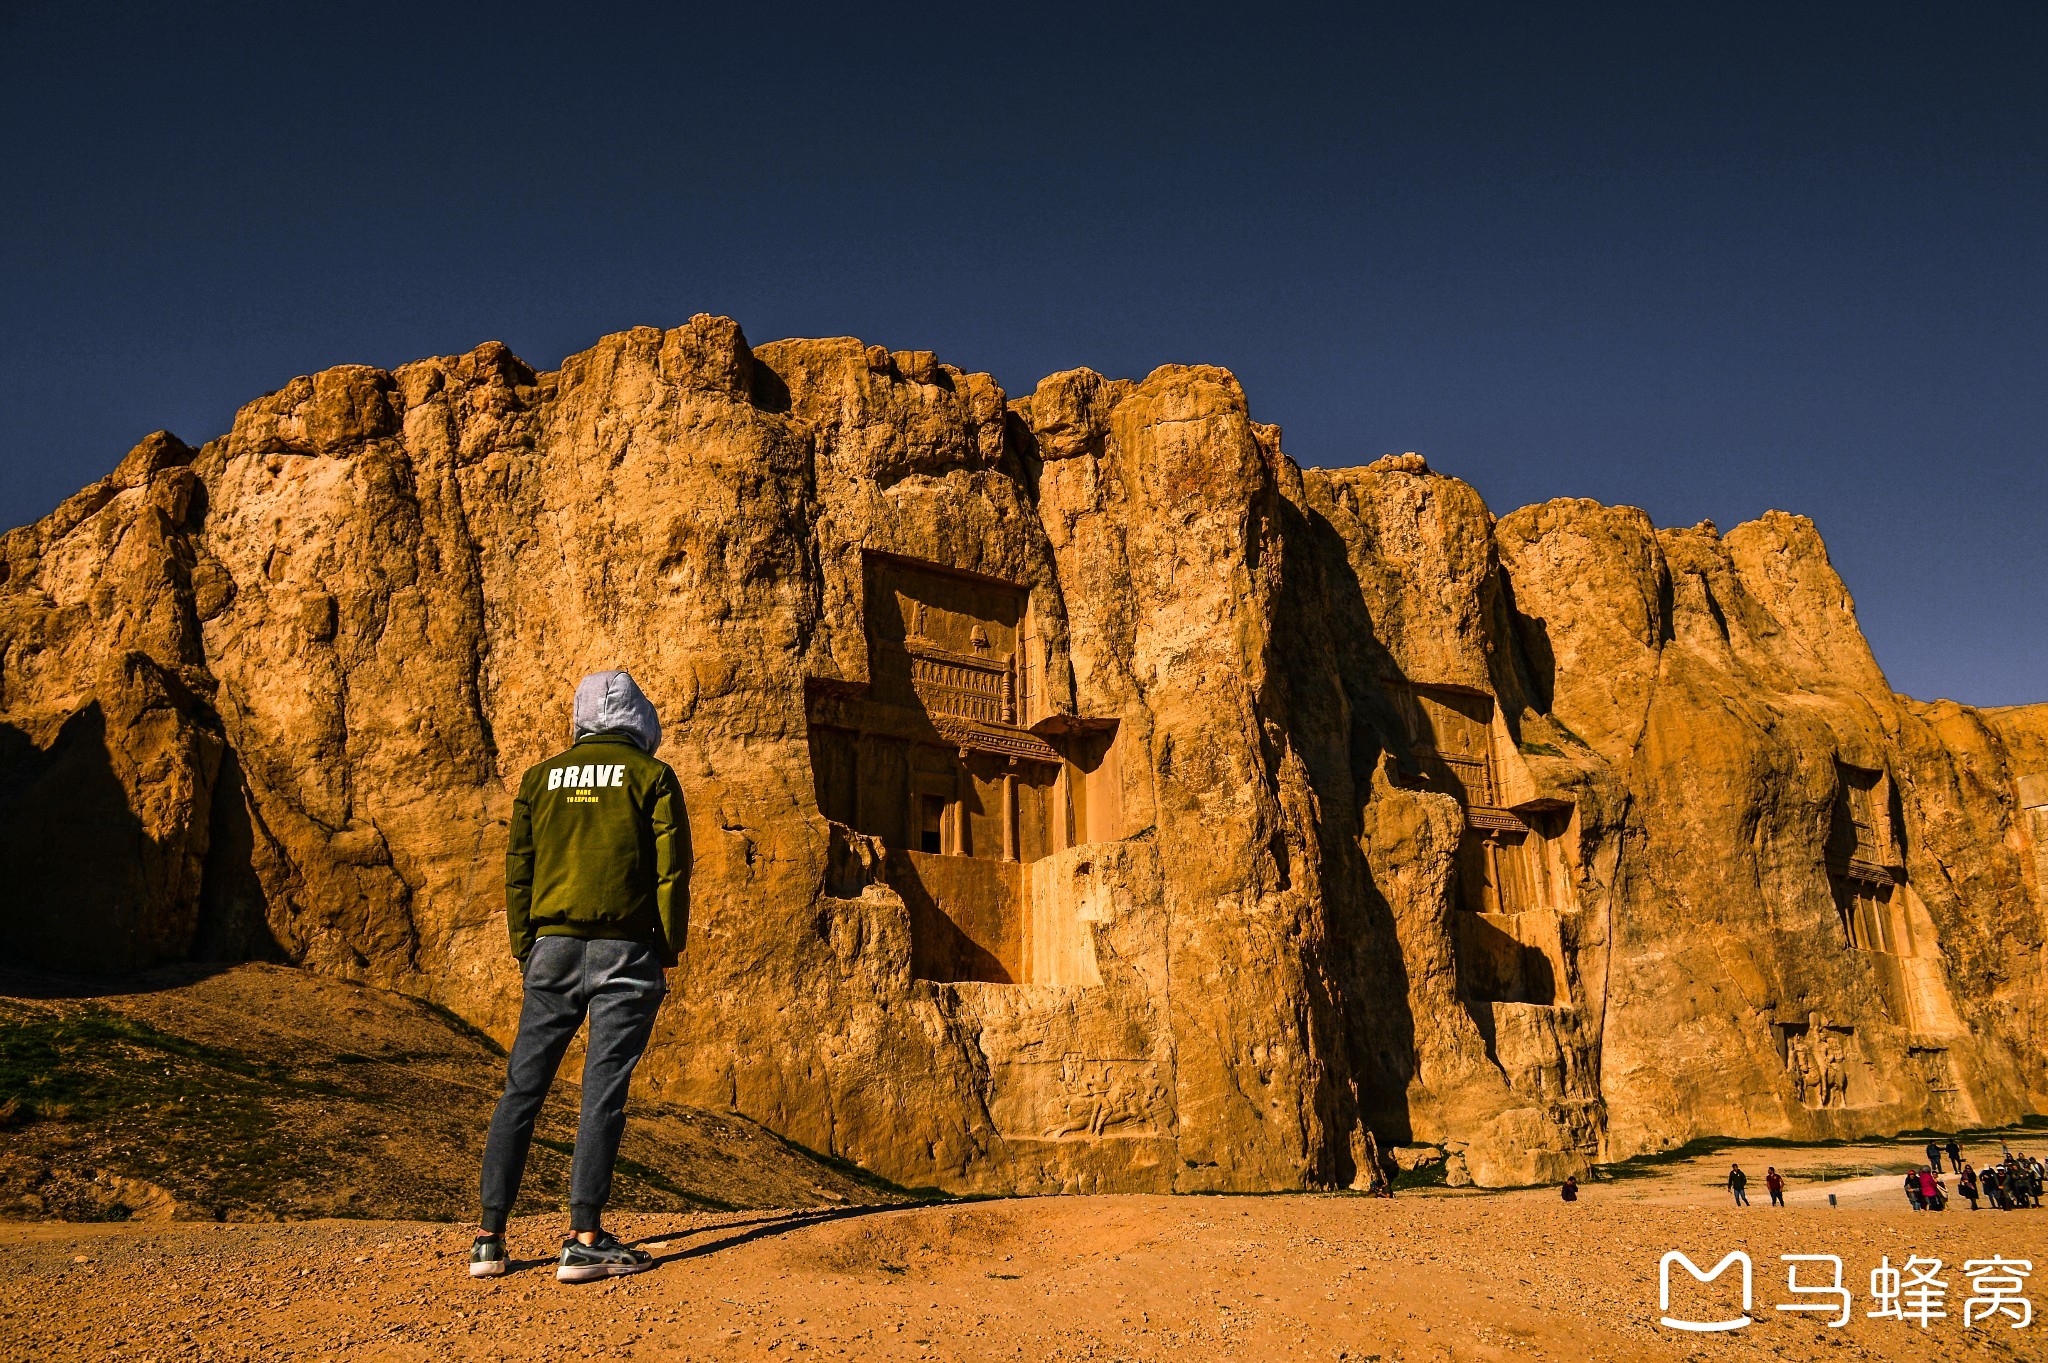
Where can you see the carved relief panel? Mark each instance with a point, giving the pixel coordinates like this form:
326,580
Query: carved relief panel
1081,1096
1450,741
1863,860
943,642
1510,861
1860,835
932,757
1823,1063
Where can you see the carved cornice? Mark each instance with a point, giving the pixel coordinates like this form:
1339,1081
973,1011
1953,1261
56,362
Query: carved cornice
925,648
1021,744
1494,818
1870,872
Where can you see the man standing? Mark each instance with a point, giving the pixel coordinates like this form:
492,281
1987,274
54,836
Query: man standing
596,900
1955,1156
1737,1182
1774,1182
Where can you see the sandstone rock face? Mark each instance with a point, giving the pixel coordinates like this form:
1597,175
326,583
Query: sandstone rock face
1082,795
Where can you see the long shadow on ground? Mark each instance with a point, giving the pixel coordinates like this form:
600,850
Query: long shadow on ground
760,1228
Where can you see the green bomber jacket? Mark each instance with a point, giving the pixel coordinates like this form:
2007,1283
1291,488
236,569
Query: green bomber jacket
599,849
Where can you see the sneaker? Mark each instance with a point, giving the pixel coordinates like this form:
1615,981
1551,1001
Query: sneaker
487,1256
607,1258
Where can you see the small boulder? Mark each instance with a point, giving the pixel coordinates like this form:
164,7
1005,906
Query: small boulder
1410,1158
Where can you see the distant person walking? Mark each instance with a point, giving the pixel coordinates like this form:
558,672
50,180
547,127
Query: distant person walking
1955,1157
1774,1183
1913,1190
596,901
1931,1195
1934,1154
1737,1182
1966,1184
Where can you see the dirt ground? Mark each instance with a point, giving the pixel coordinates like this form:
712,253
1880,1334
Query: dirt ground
152,1136
1434,1275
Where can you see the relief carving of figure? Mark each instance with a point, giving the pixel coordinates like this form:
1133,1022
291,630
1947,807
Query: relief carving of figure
1133,1097
1083,1086
1814,1060
1833,1078
1095,1098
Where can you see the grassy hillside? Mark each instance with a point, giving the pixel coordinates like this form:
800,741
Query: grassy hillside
256,1091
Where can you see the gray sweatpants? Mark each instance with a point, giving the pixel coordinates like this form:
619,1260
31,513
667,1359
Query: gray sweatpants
620,986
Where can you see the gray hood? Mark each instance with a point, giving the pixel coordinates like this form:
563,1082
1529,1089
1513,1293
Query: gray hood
612,702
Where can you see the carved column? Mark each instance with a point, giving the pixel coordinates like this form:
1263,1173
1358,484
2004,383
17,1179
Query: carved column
963,786
1061,834
913,811
1010,812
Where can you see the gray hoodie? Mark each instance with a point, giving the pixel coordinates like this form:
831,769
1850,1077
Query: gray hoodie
612,703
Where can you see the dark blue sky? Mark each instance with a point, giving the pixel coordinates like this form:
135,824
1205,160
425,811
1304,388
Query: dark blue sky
1706,260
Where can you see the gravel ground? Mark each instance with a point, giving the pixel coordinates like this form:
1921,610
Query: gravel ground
1434,1276
256,1093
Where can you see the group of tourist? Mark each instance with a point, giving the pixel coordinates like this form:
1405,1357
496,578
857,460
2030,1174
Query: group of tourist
2012,1184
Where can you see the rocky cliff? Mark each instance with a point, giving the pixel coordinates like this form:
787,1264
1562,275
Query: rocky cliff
1083,796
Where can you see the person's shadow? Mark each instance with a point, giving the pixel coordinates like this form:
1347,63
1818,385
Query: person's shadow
761,1228
758,1228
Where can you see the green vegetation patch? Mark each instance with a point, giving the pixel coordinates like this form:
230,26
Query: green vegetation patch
199,1121
316,1101
93,1063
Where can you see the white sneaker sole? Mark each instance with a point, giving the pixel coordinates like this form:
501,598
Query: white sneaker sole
590,1273
491,1269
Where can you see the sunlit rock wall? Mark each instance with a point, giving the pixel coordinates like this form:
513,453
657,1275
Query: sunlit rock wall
1082,795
